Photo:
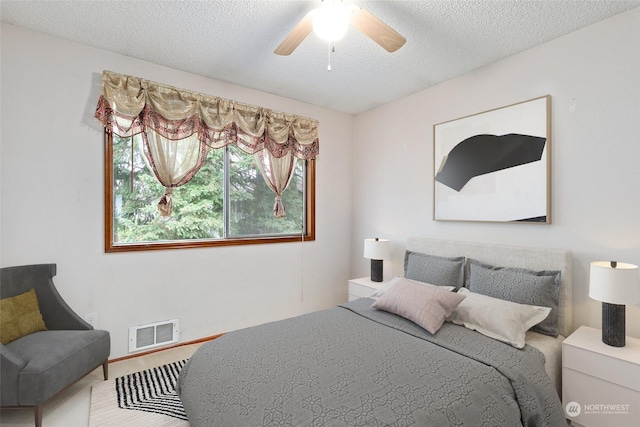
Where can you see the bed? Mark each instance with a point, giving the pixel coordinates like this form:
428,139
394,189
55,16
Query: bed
369,363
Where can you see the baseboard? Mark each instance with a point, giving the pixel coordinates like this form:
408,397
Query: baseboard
198,341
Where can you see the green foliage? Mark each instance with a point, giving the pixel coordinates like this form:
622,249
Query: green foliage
252,200
198,206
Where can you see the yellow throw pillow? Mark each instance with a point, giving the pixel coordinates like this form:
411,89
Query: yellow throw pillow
20,316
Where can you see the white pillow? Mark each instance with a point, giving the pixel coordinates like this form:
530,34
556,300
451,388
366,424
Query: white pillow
423,304
502,320
377,294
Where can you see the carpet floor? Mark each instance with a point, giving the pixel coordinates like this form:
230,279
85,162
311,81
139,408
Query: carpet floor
71,408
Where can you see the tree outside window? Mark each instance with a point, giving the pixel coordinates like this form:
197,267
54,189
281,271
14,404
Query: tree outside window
227,202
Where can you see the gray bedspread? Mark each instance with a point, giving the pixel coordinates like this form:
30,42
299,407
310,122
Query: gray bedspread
357,366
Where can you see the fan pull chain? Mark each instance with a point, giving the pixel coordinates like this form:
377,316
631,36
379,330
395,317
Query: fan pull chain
332,48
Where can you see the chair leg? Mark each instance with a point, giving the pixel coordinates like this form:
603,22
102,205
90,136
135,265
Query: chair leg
38,414
105,370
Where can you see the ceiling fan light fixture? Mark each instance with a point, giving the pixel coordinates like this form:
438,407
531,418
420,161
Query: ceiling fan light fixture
330,22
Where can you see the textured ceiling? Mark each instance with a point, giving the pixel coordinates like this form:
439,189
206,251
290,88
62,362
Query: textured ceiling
233,41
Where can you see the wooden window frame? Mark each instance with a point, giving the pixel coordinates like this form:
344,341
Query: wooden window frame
111,247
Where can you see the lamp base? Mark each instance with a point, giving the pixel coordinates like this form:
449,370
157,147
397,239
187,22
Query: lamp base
376,270
613,324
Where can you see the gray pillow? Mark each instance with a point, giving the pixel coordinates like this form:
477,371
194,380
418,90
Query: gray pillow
433,269
540,288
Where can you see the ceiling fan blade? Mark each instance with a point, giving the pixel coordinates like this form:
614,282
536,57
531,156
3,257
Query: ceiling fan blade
375,29
295,37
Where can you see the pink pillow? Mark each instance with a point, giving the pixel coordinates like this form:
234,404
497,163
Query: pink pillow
425,305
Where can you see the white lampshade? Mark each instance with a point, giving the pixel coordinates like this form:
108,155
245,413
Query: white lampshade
376,248
614,285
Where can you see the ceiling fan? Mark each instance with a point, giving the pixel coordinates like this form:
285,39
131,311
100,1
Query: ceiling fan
330,23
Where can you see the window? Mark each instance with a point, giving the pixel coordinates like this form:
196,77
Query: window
226,203
158,139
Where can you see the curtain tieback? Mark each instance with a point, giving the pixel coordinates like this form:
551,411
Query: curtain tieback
278,208
165,204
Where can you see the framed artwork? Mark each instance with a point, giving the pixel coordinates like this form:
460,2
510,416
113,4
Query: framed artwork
495,166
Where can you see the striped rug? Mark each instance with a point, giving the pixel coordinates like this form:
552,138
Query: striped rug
140,399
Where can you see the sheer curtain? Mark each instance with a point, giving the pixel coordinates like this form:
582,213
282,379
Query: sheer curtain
174,162
179,127
277,173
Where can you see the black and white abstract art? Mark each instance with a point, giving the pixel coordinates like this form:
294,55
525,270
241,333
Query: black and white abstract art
494,166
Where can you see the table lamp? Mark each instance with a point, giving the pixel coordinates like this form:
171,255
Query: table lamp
615,284
377,250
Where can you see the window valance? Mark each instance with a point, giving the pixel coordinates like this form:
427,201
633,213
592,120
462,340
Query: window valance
129,104
179,127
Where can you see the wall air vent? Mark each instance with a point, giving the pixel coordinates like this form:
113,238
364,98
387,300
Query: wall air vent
152,335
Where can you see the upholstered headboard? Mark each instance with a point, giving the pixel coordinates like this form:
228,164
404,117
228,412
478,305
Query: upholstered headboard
511,256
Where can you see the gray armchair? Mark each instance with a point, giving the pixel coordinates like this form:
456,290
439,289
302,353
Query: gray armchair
37,367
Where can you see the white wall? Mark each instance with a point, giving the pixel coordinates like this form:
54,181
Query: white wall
51,182
52,204
593,77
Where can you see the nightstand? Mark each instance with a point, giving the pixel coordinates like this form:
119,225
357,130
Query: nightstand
363,287
600,383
